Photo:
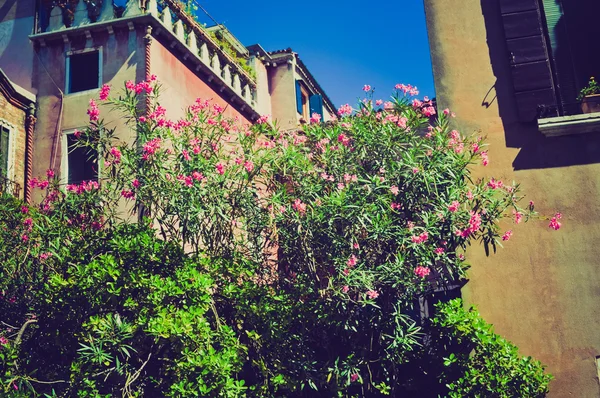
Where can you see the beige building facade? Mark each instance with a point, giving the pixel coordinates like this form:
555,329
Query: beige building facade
496,65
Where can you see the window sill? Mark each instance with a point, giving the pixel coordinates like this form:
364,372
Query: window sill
569,125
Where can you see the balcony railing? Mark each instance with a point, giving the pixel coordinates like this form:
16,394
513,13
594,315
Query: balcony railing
62,16
9,187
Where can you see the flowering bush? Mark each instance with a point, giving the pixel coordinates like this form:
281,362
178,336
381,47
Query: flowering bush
283,264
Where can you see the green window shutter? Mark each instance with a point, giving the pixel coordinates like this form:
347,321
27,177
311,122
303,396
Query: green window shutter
4,144
533,79
298,97
316,105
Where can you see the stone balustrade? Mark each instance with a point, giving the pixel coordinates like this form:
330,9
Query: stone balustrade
185,30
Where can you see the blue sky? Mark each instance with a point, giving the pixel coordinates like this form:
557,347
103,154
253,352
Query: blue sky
345,44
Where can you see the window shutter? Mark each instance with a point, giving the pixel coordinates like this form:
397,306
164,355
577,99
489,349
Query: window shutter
532,76
4,143
316,105
298,97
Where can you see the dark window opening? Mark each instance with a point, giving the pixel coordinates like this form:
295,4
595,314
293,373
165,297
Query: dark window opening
571,28
4,144
84,71
82,162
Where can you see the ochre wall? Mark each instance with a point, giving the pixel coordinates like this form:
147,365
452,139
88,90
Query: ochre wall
122,60
542,291
282,84
181,86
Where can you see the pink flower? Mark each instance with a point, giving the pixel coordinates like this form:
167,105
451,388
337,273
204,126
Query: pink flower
45,256
378,102
127,194
24,209
3,340
142,119
117,154
197,176
554,224
422,272
366,88
353,377
453,207
415,170
372,294
420,238
355,245
299,206
130,85
417,104
484,158
77,134
345,289
24,238
135,183
220,168
394,190
50,173
352,261
518,216
28,222
446,111
315,118
262,119
345,110
493,184
439,250
470,195
507,235
249,166
429,111
93,111
104,92
344,140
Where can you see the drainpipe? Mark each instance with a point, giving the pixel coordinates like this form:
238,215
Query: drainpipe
29,128
147,45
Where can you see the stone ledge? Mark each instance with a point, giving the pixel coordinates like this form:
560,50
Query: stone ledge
569,125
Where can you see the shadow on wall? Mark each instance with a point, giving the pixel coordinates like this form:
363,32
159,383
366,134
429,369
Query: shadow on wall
537,151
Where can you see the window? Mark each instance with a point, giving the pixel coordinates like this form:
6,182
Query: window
84,71
301,100
79,164
4,151
552,54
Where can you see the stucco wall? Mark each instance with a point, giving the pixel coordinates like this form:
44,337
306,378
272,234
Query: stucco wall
181,86
263,98
122,60
543,290
16,51
282,84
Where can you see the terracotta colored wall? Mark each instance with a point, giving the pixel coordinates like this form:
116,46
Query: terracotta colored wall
15,118
543,290
181,86
123,59
16,51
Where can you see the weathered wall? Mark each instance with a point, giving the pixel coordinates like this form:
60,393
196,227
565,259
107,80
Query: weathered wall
122,60
283,95
263,98
15,119
543,290
16,51
181,86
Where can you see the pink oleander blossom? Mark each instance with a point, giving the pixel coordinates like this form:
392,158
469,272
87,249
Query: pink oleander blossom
372,294
315,118
249,166
554,224
299,206
93,111
353,377
507,235
116,153
345,289
422,272
394,190
344,110
439,250
220,168
127,194
24,209
518,216
484,158
366,88
263,119
352,261
104,92
420,238
50,173
453,207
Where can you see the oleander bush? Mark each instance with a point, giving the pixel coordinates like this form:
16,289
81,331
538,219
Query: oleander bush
214,258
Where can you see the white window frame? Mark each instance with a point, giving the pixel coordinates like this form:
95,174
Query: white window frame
12,137
64,161
68,69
